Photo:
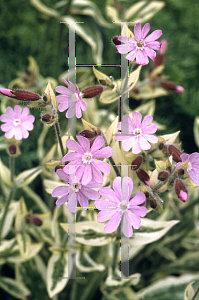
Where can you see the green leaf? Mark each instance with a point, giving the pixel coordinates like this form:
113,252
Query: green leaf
26,177
109,96
133,78
57,267
44,9
21,211
196,130
9,217
5,174
86,264
15,256
5,249
90,233
15,288
189,292
24,242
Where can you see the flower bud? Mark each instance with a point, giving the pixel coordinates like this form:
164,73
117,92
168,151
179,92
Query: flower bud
152,202
33,219
175,152
135,90
116,41
20,95
136,163
12,149
46,118
58,167
92,91
143,176
181,190
171,86
160,55
163,175
88,133
36,221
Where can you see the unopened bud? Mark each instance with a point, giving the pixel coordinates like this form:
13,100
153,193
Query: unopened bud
33,219
135,90
181,190
143,176
160,55
36,221
136,163
116,41
46,118
152,202
175,152
12,149
92,91
163,175
171,86
58,167
20,95
88,133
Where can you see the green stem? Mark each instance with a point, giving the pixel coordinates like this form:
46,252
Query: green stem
194,296
114,167
57,130
12,167
10,197
116,249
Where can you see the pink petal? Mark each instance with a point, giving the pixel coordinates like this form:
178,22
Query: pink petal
27,125
105,205
194,158
145,30
25,112
146,121
17,110
113,224
73,145
126,225
72,86
63,106
154,36
138,31
132,55
78,110
97,176
91,194
71,168
151,138
117,187
140,211
137,118
72,202
5,118
150,53
103,153
71,156
128,144
109,194
144,145
102,165
105,215
18,134
193,177
83,201
87,175
7,127
25,133
97,144
136,147
9,111
71,111
184,157
137,200
84,142
134,219
9,134
150,129
127,188
83,105
141,57
152,45
60,190
63,175
62,200
94,184
61,89
122,49
79,172
62,99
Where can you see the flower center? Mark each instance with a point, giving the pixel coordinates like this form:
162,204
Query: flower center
75,97
17,122
140,44
76,187
87,158
124,206
137,131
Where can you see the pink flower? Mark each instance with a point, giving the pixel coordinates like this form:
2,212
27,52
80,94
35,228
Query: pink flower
74,191
193,165
71,100
141,48
84,159
136,134
18,123
117,205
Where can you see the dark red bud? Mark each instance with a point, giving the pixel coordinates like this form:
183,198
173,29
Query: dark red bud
12,149
116,41
46,118
163,175
92,91
181,190
28,220
143,176
88,133
180,172
103,81
160,55
20,95
36,221
171,86
135,90
58,167
136,163
175,152
161,146
152,202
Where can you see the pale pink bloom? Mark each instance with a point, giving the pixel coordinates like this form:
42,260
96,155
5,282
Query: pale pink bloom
142,47
193,165
118,203
18,123
71,99
74,191
137,134
84,160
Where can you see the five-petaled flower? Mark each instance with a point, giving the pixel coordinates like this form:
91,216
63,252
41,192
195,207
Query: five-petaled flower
141,48
74,191
18,123
84,162
70,99
136,134
118,204
193,165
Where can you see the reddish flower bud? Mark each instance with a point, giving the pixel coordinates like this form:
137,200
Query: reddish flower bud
171,86
12,149
20,95
36,221
33,219
58,167
143,176
160,55
92,91
163,175
181,190
180,172
135,90
175,152
46,118
152,202
136,163
88,134
116,41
